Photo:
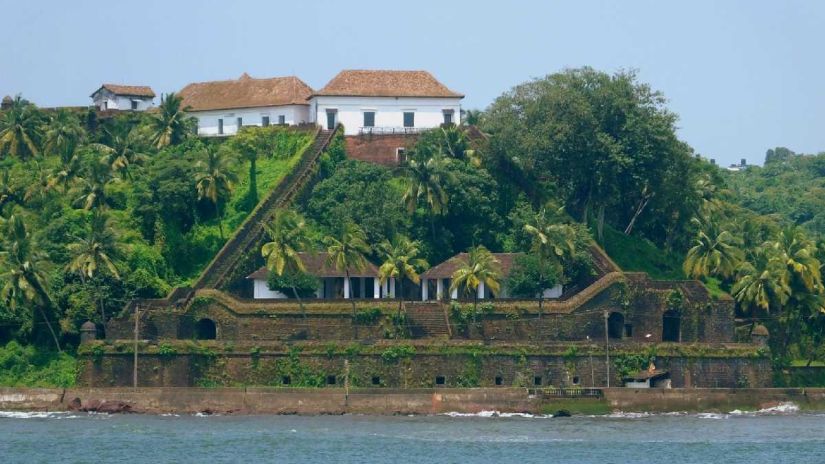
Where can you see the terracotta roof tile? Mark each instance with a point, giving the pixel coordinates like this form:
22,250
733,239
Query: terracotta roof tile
316,264
376,83
128,90
446,269
245,92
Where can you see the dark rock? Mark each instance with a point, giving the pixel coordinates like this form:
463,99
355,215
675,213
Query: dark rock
74,405
562,413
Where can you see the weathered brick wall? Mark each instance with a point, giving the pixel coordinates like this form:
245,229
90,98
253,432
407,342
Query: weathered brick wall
378,149
459,370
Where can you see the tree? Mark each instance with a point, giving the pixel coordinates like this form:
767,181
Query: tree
347,252
171,125
92,186
402,261
214,180
551,242
425,187
97,252
63,133
122,152
530,276
714,253
23,266
760,285
287,235
479,267
248,142
20,132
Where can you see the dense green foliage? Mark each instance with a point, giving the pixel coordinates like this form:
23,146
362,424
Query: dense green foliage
26,366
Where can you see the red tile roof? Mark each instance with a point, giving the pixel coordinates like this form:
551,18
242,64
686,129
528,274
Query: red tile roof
128,90
245,92
316,265
376,83
446,269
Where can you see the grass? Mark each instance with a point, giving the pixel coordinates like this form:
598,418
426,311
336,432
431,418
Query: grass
581,406
633,253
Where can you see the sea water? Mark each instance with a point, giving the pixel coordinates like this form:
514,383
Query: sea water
778,435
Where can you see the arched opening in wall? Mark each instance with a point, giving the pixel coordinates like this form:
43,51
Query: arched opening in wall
205,329
671,320
615,325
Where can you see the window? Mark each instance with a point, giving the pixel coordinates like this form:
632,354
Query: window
265,121
369,118
401,155
220,126
440,380
448,116
376,380
282,119
134,104
331,119
628,330
240,123
286,380
537,380
575,380
499,380
409,119
330,380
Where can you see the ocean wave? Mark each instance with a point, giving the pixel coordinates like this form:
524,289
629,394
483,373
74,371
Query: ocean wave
497,414
779,409
37,415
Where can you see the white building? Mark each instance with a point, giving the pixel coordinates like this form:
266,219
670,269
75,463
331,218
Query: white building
123,97
222,107
435,283
332,283
384,102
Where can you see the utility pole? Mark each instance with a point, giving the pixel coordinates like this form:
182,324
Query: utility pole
135,363
606,349
592,372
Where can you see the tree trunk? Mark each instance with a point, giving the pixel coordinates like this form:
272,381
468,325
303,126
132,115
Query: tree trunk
220,220
642,204
45,297
51,329
352,301
253,182
300,302
600,224
102,309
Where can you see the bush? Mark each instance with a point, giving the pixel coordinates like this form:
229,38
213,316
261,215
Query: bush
27,366
305,284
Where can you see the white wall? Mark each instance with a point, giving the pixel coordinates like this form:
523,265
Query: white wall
119,102
208,120
389,111
261,290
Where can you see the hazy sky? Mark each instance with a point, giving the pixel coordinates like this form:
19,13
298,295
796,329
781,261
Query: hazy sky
744,76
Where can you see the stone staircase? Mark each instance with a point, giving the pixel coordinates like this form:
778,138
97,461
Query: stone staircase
428,319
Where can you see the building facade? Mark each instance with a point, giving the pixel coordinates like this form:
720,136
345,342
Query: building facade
123,97
223,107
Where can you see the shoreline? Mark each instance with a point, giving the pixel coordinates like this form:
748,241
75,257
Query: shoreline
381,402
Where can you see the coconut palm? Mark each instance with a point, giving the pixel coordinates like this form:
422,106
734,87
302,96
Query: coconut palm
97,252
550,242
122,152
426,180
457,145
714,253
20,132
214,180
347,252
760,285
23,273
9,190
91,187
402,262
287,235
479,267
171,124
797,254
67,172
62,134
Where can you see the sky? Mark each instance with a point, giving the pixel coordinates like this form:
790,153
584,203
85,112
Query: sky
743,76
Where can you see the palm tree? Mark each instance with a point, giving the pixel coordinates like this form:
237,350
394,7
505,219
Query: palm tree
760,285
122,152
66,172
457,145
214,180
551,241
62,134
797,254
98,251
401,262
348,252
287,235
479,267
20,130
9,191
23,266
425,184
92,186
714,252
171,124
471,117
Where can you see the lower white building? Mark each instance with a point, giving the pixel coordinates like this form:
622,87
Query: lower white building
123,97
384,102
223,107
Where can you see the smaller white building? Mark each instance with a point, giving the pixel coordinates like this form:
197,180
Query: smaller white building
651,378
435,283
332,283
223,107
123,97
384,102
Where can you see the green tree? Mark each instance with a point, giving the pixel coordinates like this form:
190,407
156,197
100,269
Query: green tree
714,253
23,266
91,187
214,180
95,253
122,153
425,187
401,261
171,125
347,252
530,276
479,267
249,143
20,130
63,133
287,235
551,242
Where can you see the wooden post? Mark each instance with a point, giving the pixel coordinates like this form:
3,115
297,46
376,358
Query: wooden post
607,348
346,382
135,363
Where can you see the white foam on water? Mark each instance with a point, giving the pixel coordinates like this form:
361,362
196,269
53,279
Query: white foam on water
36,415
781,408
712,415
495,414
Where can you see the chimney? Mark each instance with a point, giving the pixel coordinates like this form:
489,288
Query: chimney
744,162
